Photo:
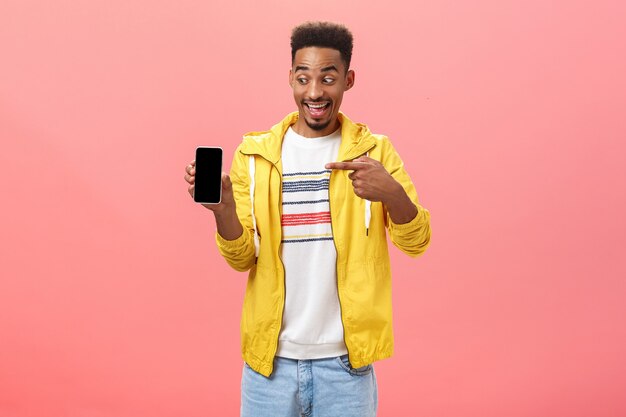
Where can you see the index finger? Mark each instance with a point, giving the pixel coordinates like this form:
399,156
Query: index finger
190,167
353,166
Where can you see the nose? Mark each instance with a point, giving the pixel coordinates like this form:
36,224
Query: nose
314,91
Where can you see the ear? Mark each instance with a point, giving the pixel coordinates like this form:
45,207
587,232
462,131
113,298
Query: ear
350,76
290,78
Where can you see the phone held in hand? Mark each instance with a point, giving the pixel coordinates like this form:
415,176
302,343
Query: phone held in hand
208,184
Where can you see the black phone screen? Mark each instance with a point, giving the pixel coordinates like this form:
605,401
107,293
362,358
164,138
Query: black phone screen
208,185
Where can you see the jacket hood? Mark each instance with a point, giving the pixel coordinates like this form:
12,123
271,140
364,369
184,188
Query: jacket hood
356,139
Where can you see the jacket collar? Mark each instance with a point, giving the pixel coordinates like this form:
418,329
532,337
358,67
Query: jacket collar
356,139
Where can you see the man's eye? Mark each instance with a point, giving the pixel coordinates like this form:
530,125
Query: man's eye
302,80
329,80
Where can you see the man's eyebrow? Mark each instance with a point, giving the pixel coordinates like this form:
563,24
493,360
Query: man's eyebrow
325,69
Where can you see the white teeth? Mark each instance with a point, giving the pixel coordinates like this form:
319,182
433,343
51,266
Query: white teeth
317,106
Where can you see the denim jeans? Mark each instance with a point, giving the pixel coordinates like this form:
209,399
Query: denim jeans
327,387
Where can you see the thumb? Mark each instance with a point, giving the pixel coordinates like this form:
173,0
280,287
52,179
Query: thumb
226,183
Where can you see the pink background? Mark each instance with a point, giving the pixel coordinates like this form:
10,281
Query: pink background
510,116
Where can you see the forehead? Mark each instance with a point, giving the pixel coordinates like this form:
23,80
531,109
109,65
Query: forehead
315,57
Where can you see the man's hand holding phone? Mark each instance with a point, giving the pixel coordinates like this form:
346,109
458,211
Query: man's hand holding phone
226,189
225,211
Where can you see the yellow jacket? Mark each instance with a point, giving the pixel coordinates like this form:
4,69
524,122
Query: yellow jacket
363,267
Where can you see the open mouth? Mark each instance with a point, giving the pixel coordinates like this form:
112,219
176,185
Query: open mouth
317,110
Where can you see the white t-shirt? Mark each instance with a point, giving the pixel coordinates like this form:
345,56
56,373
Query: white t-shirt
312,326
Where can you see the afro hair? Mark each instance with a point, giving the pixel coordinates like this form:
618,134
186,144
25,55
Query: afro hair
323,35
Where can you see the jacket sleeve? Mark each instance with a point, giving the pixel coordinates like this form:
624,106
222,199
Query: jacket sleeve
413,237
240,253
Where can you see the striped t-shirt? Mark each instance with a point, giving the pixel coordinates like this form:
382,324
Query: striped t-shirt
311,327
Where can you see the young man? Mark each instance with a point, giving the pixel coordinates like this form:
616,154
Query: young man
306,210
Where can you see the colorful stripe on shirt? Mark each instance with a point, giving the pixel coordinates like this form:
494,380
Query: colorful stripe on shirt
306,210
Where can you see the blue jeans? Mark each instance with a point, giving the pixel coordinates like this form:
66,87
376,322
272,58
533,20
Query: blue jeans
327,387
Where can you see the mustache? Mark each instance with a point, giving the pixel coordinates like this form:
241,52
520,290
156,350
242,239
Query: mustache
319,100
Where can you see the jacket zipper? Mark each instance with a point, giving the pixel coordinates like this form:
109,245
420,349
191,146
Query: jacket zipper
280,246
332,229
280,208
337,251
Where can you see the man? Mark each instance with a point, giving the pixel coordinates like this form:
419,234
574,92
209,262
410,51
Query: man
306,210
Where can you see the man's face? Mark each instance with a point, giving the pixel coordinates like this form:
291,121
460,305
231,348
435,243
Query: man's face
318,78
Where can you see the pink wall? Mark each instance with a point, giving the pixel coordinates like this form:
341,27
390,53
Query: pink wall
510,116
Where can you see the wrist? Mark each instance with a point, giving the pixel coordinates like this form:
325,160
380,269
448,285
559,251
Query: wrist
224,211
395,196
227,222
400,207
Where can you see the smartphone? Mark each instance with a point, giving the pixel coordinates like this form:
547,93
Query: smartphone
208,185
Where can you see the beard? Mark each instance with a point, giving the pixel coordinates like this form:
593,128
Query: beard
317,126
